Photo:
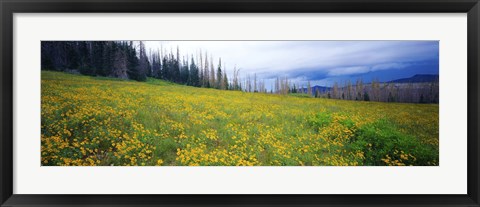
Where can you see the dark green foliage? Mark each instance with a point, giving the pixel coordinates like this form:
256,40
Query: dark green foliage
225,80
391,98
219,74
184,73
163,73
94,58
167,149
301,95
169,69
175,71
108,57
382,138
47,49
133,65
422,99
348,123
55,55
85,61
72,57
143,68
193,77
156,66
366,97
320,120
97,57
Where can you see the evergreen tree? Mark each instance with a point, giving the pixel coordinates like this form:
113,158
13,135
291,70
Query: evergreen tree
225,80
184,73
85,66
46,48
422,99
107,59
390,97
133,69
176,68
219,73
72,55
366,97
194,76
97,54
212,81
143,63
164,69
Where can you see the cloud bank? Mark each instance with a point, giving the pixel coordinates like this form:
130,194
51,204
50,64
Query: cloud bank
312,60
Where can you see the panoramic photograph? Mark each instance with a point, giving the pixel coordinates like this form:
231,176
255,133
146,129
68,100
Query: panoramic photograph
239,103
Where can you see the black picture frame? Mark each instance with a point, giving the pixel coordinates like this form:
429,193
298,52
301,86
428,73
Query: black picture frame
9,7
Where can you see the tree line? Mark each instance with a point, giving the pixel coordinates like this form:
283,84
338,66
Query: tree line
102,58
411,92
129,60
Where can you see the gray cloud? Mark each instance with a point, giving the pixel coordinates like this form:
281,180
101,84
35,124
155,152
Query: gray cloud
308,58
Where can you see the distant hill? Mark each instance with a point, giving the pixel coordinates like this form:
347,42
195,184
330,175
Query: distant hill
419,78
320,89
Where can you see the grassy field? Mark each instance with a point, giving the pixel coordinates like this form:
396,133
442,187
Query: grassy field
103,121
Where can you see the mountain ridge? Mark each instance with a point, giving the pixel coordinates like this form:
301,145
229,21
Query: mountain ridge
417,78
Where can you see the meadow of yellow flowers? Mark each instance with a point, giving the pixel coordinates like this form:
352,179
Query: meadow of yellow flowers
101,121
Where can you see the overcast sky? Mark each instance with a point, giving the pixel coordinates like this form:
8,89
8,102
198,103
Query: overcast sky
321,62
